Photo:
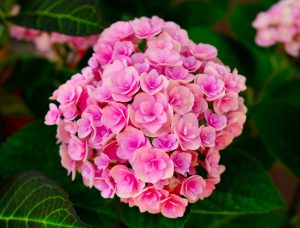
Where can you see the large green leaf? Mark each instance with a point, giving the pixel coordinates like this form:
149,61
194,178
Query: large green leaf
76,17
245,188
278,125
34,148
32,200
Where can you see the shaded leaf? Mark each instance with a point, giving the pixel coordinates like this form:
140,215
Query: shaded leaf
278,125
76,17
33,200
245,187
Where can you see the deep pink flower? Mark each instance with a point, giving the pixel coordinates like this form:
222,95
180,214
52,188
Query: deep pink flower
166,142
152,82
192,187
211,85
152,114
77,149
207,136
115,116
151,165
129,140
186,130
150,199
182,162
127,184
173,206
53,115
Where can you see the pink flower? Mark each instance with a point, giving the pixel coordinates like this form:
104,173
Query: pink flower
124,48
152,82
123,88
235,82
68,94
129,140
166,143
102,161
88,173
217,121
179,73
163,57
151,165
77,149
85,126
145,27
104,53
173,206
106,185
207,136
150,199
186,130
266,37
223,139
212,166
212,86
152,114
53,115
66,161
182,162
200,104
115,116
180,98
191,63
204,51
127,184
100,136
235,123
192,188
227,103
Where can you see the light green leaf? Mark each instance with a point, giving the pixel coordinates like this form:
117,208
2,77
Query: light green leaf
33,200
245,187
74,17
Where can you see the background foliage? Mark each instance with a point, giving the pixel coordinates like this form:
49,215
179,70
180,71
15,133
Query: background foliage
246,197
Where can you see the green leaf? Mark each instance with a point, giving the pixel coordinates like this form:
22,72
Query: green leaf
278,125
133,218
76,17
33,200
245,187
34,148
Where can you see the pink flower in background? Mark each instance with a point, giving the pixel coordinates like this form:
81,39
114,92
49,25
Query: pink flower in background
143,118
279,24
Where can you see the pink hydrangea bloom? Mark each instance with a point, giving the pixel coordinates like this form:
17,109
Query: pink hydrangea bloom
186,130
150,199
152,165
279,24
166,142
139,124
173,206
127,184
192,188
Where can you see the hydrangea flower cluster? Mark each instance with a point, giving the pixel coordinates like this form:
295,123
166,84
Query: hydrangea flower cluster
280,24
147,115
